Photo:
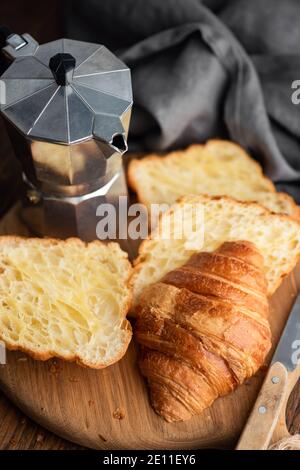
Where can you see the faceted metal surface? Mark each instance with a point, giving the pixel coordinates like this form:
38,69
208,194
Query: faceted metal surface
27,68
25,112
80,50
69,134
17,89
59,165
44,110
69,216
116,85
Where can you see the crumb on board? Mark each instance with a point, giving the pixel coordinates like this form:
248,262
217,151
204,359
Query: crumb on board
119,413
39,437
54,367
73,379
22,359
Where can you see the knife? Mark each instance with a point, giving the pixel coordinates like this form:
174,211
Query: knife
267,420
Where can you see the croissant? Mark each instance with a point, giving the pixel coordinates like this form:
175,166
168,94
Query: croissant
203,329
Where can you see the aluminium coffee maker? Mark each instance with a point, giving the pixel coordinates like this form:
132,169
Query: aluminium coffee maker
67,106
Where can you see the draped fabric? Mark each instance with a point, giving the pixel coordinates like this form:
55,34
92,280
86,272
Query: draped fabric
203,69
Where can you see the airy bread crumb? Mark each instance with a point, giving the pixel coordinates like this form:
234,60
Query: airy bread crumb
225,219
218,168
65,299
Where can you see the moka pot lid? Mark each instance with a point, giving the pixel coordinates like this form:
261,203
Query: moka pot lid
68,91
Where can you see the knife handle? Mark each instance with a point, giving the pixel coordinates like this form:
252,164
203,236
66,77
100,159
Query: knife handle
267,409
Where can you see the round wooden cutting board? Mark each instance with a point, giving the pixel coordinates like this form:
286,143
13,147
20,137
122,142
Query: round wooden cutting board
110,409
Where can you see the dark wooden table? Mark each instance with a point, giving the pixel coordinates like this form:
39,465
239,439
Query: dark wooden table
17,432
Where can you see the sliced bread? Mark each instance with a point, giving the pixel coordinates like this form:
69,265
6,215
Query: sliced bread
216,168
225,219
66,299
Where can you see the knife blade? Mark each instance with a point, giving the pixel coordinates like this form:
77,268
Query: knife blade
288,348
267,418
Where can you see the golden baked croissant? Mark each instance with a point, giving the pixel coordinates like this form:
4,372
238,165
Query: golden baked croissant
203,329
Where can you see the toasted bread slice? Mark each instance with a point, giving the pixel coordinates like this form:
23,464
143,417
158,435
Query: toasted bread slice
67,299
225,219
216,168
